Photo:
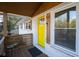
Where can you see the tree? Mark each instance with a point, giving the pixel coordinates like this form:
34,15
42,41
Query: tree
58,23
73,23
12,21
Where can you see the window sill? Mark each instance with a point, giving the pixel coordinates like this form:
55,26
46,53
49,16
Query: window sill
64,50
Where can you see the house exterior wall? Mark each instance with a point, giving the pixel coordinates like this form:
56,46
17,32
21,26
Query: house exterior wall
22,27
51,49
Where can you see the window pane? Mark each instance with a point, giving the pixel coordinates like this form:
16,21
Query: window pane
61,21
72,29
1,23
65,29
72,23
65,38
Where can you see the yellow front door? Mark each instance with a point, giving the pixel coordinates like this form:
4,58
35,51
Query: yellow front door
41,31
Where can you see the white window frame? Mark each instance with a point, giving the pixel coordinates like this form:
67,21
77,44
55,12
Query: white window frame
58,8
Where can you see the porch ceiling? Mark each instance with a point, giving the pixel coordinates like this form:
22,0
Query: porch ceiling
26,8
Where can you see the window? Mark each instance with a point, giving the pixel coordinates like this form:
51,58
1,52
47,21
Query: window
65,28
29,24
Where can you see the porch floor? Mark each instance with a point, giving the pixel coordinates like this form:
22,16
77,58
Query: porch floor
21,51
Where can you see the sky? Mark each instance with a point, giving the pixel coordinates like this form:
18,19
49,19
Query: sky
73,14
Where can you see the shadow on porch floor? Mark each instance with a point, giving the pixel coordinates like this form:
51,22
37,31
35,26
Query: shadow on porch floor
21,51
